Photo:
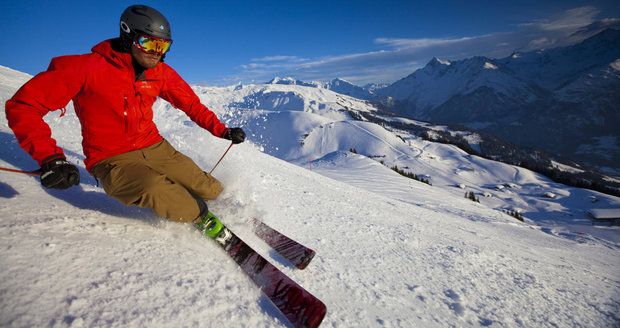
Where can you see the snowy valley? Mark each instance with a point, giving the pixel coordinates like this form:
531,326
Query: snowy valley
391,251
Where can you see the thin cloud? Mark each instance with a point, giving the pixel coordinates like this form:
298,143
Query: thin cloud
572,19
401,57
292,59
253,66
418,43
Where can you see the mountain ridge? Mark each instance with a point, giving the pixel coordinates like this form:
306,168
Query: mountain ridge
541,98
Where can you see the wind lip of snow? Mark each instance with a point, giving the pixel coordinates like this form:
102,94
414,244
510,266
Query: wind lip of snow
444,61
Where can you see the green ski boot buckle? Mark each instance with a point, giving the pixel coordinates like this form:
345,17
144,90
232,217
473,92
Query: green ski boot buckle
211,226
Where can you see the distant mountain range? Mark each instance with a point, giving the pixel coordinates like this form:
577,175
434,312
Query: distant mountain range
304,108
337,85
563,100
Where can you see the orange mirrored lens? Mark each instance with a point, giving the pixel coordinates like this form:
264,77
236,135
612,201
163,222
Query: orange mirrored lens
153,45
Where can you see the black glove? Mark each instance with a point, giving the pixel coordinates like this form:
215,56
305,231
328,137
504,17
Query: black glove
57,173
236,135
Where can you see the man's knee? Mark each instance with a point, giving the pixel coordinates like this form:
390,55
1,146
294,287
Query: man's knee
215,189
208,187
171,201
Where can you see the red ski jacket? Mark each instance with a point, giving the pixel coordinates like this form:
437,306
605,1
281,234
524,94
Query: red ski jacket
114,109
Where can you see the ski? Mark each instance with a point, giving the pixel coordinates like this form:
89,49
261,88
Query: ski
298,305
296,253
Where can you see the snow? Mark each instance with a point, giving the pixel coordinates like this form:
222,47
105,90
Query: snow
437,82
554,68
615,65
565,168
550,195
285,80
605,213
391,251
488,65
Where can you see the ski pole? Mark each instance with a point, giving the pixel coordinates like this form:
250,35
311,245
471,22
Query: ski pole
35,172
221,158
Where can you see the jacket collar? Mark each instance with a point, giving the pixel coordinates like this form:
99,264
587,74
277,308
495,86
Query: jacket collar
110,50
114,56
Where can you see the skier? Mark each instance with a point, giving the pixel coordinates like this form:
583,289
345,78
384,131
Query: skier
113,90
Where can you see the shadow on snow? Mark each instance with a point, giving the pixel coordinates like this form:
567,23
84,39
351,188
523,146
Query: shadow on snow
76,196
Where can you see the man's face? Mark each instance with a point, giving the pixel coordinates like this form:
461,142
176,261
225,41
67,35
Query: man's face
149,60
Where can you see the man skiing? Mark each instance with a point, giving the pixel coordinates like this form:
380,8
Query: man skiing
113,90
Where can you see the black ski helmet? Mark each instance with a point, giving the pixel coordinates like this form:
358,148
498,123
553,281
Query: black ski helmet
138,19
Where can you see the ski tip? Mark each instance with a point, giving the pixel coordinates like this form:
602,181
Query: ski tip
304,261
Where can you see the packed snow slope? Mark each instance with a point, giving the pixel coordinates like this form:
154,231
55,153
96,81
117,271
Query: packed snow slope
421,258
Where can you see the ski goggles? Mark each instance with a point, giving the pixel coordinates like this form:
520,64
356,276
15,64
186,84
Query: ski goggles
152,45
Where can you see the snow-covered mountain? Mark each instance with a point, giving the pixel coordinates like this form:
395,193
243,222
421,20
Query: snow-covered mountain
337,85
347,88
593,29
292,81
555,69
391,251
440,81
321,126
563,100
373,87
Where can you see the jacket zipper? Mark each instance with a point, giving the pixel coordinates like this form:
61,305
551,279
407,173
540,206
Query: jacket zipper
126,116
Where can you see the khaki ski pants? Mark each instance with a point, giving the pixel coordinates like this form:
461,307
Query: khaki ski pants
158,177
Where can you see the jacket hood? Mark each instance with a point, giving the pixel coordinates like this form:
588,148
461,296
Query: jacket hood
113,54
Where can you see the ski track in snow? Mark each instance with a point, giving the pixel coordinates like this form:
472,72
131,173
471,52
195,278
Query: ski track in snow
403,154
391,252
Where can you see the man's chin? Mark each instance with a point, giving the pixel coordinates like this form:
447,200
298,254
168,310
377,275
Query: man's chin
149,63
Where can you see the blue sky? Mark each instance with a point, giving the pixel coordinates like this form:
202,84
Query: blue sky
228,42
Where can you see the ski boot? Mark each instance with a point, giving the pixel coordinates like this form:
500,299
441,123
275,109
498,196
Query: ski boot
210,226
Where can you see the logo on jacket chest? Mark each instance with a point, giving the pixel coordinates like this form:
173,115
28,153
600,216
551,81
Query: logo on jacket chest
148,87
145,85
